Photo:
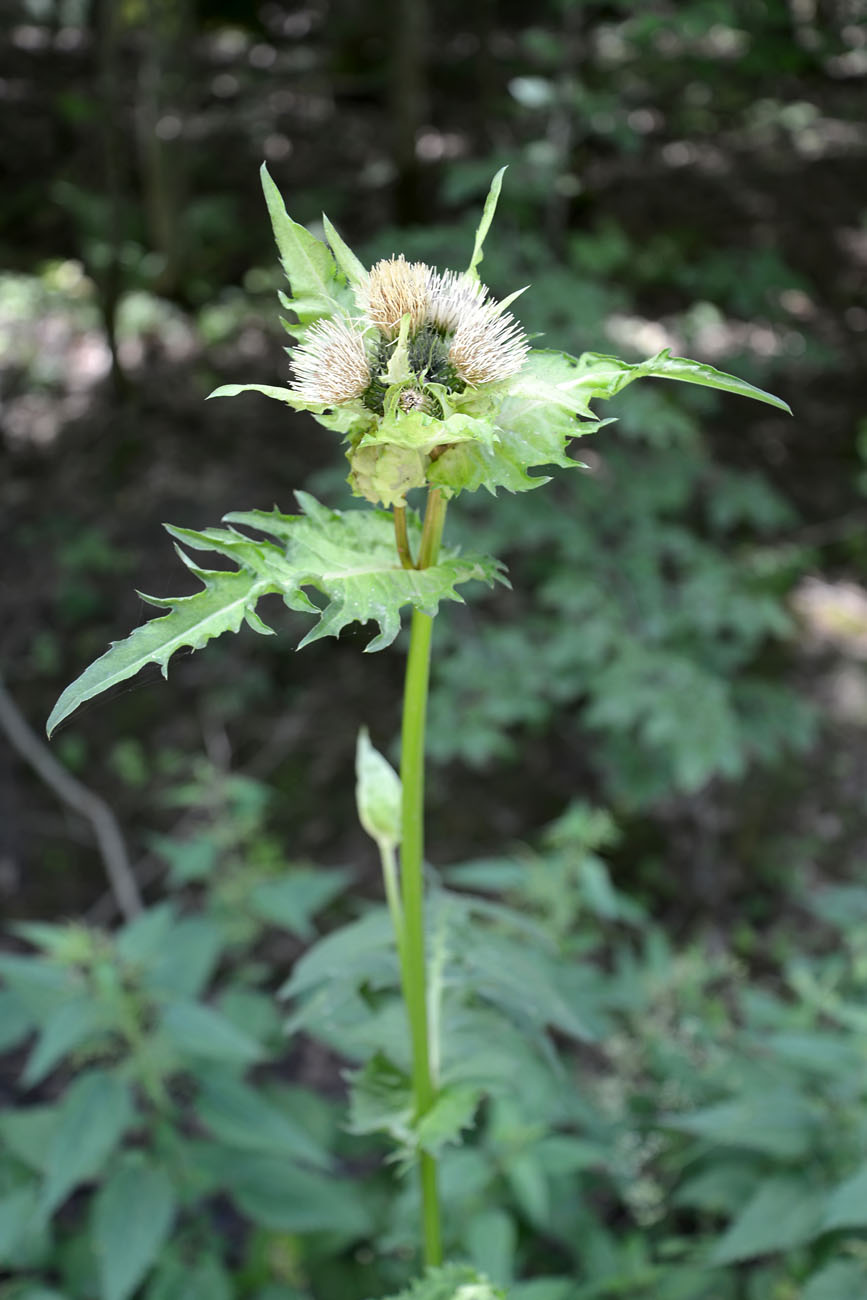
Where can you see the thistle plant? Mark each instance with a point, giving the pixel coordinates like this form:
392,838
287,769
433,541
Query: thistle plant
435,390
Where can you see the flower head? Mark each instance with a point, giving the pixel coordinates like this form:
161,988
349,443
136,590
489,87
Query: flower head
420,331
331,365
396,288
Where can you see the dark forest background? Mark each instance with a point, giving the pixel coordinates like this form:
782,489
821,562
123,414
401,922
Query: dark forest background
681,663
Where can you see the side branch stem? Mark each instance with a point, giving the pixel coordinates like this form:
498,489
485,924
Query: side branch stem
412,872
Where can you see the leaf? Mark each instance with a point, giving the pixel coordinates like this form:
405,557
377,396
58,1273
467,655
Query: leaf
72,1024
288,1199
142,941
179,1278
377,794
227,599
242,1117
132,1217
847,1204
16,1216
778,1124
95,1113
200,1031
784,1212
39,986
349,264
544,1288
381,1100
535,422
350,557
842,1279
722,1188
39,1293
292,901
453,1111
485,223
309,266
287,395
28,1133
417,431
16,1023
186,964
604,376
491,1242
362,951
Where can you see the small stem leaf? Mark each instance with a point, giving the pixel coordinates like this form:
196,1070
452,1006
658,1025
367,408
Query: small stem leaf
603,376
269,390
377,793
309,266
220,607
485,223
349,264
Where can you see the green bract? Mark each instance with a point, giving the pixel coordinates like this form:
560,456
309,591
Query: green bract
432,384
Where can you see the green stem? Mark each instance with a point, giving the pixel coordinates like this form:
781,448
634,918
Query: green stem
412,877
401,537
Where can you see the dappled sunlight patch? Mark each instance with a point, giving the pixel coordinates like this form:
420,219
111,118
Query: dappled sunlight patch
834,615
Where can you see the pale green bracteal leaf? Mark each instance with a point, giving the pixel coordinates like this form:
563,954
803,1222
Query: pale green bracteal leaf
287,395
485,223
309,266
535,423
604,376
349,264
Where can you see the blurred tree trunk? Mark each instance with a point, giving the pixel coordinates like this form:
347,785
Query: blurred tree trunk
408,105
563,126
164,75
106,21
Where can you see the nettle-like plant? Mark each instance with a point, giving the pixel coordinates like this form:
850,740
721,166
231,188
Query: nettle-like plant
433,386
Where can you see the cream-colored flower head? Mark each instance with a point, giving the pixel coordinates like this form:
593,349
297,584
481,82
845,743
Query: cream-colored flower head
394,289
331,364
487,343
458,336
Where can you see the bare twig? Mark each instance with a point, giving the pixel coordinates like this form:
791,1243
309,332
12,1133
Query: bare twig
105,827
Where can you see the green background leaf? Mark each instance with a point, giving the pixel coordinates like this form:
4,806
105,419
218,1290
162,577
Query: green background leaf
132,1217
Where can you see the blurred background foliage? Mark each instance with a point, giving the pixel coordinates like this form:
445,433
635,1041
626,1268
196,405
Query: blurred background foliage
684,646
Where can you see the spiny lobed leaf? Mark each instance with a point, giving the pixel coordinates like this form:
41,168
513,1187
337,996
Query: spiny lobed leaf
227,599
349,557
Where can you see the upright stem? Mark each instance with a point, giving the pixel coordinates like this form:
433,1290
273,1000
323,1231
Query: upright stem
412,877
401,537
